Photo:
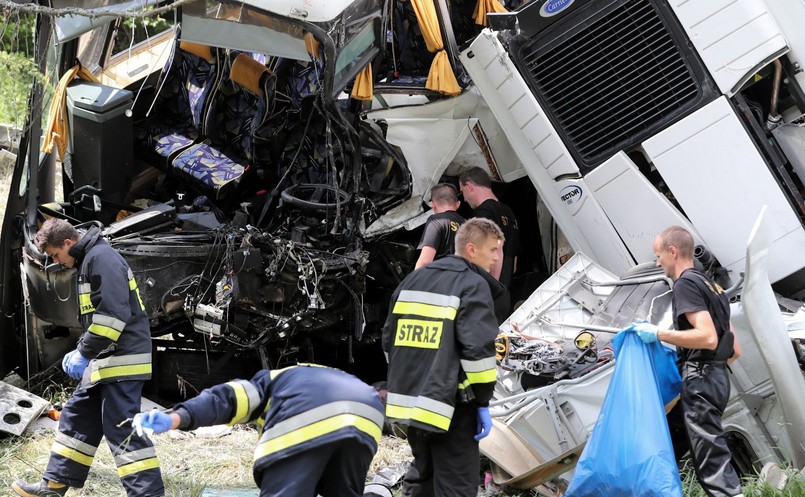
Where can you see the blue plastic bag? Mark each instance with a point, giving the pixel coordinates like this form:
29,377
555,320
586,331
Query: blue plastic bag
629,452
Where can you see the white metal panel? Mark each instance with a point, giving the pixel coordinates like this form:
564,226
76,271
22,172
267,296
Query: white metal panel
632,204
721,182
534,139
589,217
733,37
516,99
69,27
790,16
306,10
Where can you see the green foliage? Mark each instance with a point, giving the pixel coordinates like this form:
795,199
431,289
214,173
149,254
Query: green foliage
18,31
17,73
132,30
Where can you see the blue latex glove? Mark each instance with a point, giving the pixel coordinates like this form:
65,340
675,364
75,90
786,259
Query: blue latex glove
147,423
645,330
484,423
74,364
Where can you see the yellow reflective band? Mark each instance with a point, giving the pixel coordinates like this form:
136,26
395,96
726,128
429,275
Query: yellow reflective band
72,454
136,467
132,284
418,333
104,331
317,429
418,414
488,376
85,304
139,299
115,371
425,310
464,384
276,372
241,402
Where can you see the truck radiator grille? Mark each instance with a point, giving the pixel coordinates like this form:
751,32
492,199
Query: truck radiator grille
612,77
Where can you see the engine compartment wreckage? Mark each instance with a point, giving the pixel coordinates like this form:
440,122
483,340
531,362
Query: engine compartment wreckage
268,214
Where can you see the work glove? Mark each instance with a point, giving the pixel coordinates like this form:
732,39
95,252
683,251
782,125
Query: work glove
74,364
150,422
645,330
484,423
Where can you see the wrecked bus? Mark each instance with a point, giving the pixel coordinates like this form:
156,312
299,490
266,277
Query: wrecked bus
267,214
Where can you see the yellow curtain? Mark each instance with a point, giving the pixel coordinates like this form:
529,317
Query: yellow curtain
440,77
483,7
362,89
57,131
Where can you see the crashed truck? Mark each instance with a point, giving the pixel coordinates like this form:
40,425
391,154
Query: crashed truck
267,215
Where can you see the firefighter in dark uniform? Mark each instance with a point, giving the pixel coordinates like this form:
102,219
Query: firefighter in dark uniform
439,340
112,360
319,427
706,345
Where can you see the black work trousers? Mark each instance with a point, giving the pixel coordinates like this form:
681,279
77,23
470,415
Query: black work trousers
337,469
705,392
445,464
97,412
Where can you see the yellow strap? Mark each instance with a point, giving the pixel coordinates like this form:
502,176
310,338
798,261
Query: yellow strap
57,131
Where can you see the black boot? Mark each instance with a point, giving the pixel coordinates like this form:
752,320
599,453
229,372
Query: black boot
42,488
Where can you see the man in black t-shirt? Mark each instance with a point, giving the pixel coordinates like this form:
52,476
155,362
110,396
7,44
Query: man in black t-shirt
439,235
476,186
706,345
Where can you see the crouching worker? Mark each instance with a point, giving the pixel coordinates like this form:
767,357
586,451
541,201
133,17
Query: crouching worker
319,427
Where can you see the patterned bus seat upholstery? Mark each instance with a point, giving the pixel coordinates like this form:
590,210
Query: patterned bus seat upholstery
193,72
217,164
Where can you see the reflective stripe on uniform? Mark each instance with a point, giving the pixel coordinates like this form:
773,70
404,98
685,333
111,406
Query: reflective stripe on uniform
133,288
75,450
120,366
84,302
135,461
106,326
317,422
427,304
422,409
481,370
247,398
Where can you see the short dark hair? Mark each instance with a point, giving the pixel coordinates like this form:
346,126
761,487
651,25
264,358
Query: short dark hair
443,194
680,238
476,231
476,176
54,232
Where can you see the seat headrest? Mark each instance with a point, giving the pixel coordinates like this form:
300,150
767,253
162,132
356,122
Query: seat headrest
247,73
202,51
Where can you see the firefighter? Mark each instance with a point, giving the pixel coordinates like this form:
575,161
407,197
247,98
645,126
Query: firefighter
319,427
439,340
112,360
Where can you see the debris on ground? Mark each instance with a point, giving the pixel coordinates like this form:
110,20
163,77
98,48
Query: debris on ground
18,408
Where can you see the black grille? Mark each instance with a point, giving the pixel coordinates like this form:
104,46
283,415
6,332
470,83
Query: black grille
612,78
